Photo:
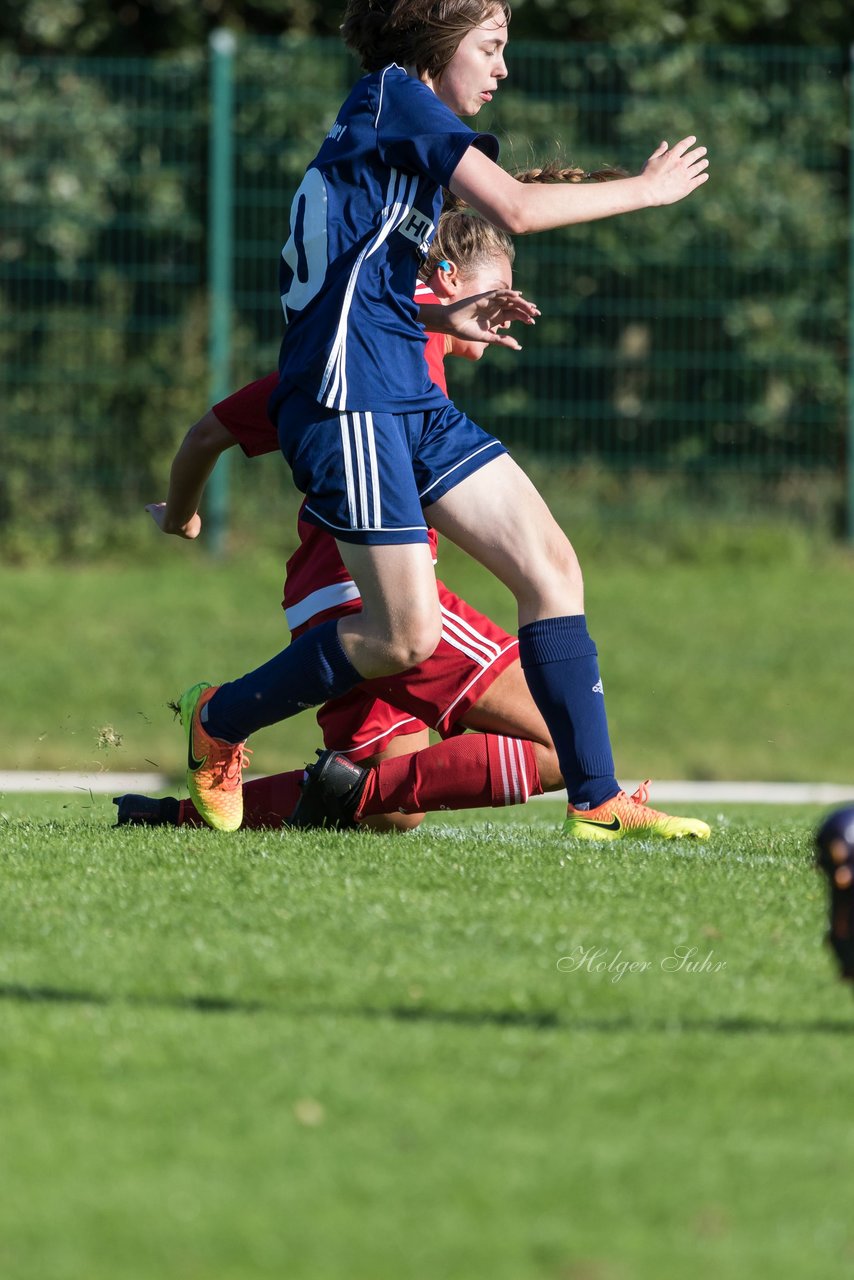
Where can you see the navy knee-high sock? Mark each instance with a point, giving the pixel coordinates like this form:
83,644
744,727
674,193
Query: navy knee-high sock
313,669
561,667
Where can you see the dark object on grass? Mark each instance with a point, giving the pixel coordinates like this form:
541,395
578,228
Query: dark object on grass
835,843
143,811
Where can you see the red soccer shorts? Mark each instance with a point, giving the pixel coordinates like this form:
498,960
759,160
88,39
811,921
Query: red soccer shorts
471,654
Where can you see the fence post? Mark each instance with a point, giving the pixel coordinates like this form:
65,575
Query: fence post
220,258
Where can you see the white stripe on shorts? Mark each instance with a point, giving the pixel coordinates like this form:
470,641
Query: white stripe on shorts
378,737
331,597
375,472
344,424
356,420
469,635
492,445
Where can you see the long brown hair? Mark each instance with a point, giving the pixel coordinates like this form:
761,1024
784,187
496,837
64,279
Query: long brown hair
551,172
424,34
468,240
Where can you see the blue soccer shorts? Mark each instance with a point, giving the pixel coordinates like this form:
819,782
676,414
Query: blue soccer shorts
366,476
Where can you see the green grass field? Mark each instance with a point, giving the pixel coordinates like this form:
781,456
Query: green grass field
476,1051
725,653
324,1057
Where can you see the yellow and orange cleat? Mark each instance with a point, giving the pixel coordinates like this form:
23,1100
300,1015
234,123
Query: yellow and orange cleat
630,816
214,767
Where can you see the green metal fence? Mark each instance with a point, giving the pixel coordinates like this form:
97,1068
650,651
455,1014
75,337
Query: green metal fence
145,205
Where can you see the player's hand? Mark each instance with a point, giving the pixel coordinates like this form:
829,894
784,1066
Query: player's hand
484,316
672,173
192,528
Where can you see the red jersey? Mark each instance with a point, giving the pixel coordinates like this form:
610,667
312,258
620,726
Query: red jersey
317,584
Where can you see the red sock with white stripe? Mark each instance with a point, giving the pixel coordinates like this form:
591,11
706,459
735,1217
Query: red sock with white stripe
267,802
469,772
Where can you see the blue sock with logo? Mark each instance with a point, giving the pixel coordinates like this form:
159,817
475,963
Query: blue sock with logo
313,669
560,664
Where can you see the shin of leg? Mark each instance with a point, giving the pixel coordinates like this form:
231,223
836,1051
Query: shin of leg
498,517
507,707
402,745
548,766
400,623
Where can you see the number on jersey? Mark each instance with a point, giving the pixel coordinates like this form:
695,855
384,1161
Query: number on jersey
306,252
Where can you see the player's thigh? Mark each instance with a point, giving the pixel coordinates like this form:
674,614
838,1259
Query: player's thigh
356,470
403,745
498,517
506,707
400,623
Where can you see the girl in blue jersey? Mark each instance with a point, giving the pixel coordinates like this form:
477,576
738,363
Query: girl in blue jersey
377,449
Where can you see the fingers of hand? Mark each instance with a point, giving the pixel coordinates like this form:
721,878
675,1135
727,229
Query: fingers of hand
525,311
511,303
503,340
699,164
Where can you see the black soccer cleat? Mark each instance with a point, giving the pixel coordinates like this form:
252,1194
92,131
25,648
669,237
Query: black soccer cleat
143,811
835,843
330,793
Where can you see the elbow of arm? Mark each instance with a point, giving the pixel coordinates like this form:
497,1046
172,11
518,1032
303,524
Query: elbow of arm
516,220
208,437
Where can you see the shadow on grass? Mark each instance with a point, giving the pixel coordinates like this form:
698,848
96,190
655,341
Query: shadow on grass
619,1024
544,1020
198,1004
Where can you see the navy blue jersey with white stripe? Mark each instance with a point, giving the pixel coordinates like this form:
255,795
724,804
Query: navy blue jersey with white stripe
361,222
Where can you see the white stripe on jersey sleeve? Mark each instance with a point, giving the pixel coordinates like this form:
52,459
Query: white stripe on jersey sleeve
399,197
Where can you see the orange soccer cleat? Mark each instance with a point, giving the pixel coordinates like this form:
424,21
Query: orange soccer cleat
630,816
214,767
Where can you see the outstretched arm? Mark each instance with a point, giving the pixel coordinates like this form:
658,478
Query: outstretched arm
670,174
191,468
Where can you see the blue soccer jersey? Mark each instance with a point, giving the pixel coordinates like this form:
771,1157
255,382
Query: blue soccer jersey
361,222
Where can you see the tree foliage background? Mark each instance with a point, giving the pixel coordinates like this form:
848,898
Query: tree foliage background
709,335
133,28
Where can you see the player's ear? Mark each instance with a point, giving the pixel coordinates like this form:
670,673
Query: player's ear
450,274
444,281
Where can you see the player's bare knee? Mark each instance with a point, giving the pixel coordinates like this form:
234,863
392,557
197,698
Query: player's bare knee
407,821
415,644
392,823
554,583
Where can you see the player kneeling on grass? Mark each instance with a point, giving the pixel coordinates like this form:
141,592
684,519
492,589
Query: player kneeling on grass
379,770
